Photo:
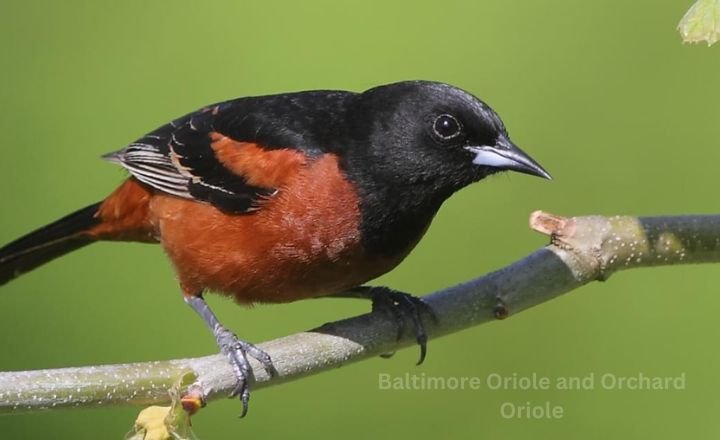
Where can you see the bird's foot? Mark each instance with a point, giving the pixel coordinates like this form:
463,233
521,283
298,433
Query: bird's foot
403,306
237,352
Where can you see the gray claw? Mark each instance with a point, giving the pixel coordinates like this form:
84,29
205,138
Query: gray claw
237,352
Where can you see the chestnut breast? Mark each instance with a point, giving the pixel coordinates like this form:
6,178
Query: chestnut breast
303,242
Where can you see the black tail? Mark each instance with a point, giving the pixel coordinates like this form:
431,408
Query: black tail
47,243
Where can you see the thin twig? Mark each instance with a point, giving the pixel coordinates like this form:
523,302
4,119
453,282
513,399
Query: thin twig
582,249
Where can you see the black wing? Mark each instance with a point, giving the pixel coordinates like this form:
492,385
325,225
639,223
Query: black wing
178,159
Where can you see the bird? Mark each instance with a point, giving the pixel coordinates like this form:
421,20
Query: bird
284,197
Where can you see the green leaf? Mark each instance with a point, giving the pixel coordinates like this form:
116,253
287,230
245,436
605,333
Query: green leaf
701,22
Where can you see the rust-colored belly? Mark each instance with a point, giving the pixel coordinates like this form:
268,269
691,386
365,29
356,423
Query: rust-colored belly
303,242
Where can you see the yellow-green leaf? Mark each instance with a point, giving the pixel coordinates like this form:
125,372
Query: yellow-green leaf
701,22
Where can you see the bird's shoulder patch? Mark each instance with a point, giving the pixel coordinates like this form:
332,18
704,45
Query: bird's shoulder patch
259,166
192,159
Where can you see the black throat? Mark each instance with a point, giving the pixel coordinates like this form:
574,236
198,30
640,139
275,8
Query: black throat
394,217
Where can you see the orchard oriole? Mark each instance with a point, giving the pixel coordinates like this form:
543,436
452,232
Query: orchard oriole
291,196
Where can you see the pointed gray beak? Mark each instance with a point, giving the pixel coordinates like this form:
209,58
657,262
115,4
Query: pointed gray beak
507,156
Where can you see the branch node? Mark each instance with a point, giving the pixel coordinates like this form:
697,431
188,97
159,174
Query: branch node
193,400
603,272
500,311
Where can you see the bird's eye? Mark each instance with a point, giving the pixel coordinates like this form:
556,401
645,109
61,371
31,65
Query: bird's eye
447,127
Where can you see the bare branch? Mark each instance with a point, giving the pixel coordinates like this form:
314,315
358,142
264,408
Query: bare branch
582,249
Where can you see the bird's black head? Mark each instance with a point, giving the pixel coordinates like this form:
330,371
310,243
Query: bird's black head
435,135
413,145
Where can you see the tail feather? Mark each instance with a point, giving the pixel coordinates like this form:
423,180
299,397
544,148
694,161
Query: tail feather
47,243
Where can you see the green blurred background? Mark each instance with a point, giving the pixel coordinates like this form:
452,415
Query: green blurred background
602,93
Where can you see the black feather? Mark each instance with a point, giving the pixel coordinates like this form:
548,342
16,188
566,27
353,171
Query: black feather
47,243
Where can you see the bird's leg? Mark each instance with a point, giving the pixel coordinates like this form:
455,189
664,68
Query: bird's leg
401,305
235,349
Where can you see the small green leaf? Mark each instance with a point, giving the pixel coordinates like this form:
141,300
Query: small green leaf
701,22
